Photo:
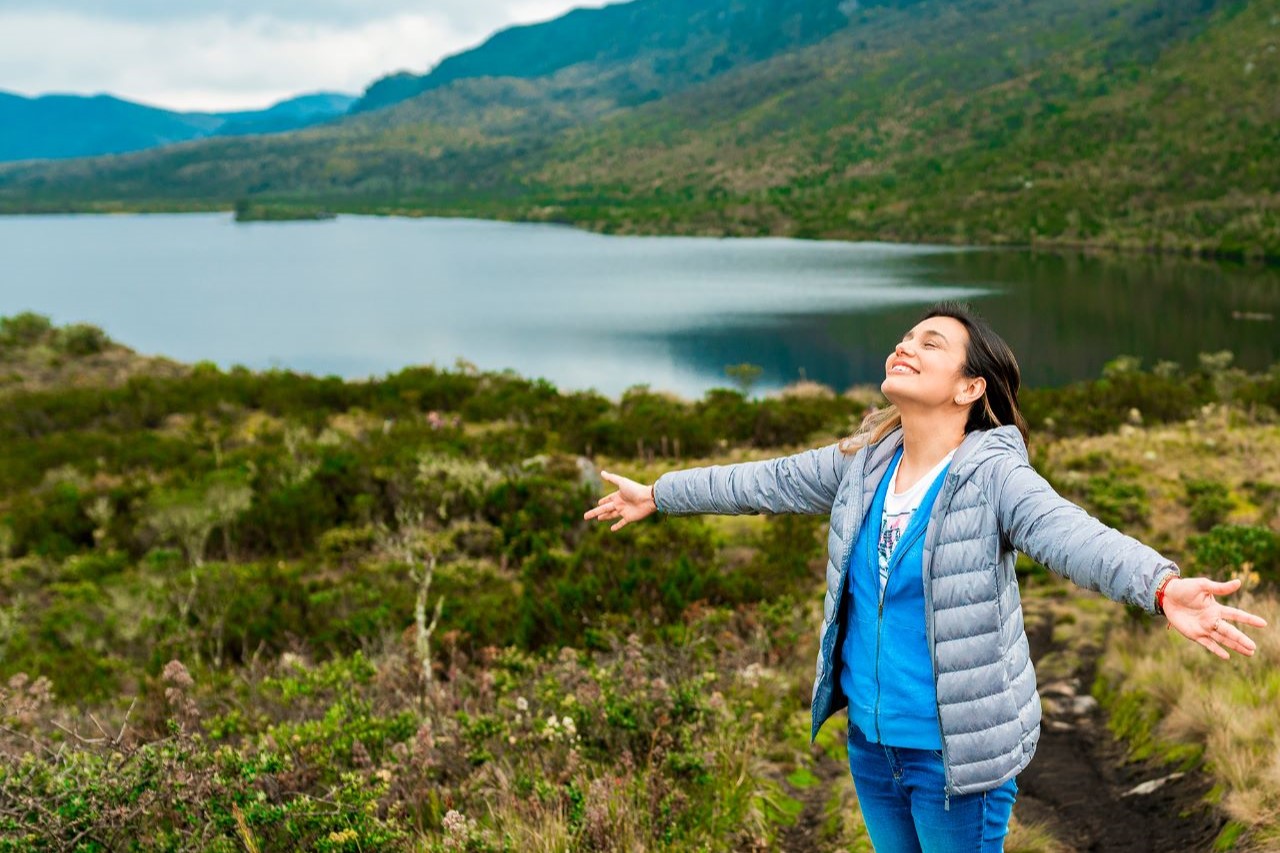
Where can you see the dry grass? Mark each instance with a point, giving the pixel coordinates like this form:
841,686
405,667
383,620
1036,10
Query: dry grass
39,368
805,388
1229,708
1031,837
1214,446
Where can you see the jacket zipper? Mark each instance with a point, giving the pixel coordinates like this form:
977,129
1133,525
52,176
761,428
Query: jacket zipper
940,507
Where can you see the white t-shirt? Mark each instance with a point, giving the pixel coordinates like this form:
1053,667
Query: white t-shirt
898,509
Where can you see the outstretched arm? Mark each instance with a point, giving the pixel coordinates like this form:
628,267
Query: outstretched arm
804,482
1054,531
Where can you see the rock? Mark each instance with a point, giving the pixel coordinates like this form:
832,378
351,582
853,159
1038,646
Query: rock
1152,786
1067,689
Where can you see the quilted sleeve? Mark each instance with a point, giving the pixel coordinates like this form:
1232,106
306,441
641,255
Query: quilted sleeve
804,483
1066,539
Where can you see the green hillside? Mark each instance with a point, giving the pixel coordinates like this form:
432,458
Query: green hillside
1130,123
1142,124
649,47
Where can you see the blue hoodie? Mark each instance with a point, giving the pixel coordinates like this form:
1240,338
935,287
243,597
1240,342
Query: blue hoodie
887,670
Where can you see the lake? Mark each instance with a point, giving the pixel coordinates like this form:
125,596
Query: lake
364,296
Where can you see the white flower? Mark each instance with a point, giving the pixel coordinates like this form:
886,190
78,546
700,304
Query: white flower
522,704
455,824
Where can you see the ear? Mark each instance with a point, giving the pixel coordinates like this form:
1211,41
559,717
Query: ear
971,391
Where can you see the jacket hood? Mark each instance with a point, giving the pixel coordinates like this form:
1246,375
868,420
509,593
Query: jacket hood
977,446
990,442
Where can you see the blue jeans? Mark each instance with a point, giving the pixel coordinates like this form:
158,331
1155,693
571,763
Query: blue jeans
903,804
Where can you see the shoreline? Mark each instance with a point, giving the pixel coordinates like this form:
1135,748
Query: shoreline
1189,251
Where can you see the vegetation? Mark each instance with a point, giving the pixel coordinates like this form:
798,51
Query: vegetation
274,611
246,211
1140,124
1172,699
1080,124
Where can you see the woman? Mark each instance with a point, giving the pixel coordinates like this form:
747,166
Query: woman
922,635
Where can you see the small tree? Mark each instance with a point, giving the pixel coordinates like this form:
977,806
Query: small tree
189,516
181,516
227,495
744,375
413,545
100,511
422,575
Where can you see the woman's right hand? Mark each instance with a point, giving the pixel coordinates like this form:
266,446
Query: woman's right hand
632,502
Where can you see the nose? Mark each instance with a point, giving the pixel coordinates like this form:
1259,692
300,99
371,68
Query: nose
902,348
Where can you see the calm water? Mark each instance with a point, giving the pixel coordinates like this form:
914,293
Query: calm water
366,296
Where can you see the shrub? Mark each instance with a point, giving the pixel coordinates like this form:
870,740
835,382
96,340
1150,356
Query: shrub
81,339
1230,547
24,330
1117,502
1209,502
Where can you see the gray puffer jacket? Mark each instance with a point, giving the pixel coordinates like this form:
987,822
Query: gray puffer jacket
992,505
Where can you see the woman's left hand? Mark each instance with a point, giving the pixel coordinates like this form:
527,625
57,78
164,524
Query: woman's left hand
1191,608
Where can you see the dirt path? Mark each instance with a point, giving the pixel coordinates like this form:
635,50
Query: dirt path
1080,788
806,833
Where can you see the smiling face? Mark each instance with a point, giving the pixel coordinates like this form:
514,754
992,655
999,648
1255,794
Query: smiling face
926,368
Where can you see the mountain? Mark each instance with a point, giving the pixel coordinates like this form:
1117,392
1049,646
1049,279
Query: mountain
291,114
61,126
74,126
1130,123
680,42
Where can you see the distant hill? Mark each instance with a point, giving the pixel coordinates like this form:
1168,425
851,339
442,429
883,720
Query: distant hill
61,126
676,42
292,114
1147,124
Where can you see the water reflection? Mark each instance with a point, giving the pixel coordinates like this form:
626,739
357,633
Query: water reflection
364,296
1065,315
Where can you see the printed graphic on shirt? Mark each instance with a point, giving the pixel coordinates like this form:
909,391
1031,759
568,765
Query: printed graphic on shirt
891,529
898,509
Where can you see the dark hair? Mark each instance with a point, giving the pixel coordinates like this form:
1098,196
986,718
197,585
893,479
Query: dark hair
988,356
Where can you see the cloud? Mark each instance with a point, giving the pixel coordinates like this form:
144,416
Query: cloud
238,54
478,15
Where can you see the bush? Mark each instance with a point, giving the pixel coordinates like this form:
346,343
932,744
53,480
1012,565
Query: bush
81,339
1209,502
24,330
1117,502
1231,547
647,577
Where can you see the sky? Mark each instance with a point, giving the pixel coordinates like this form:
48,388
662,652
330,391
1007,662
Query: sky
239,54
